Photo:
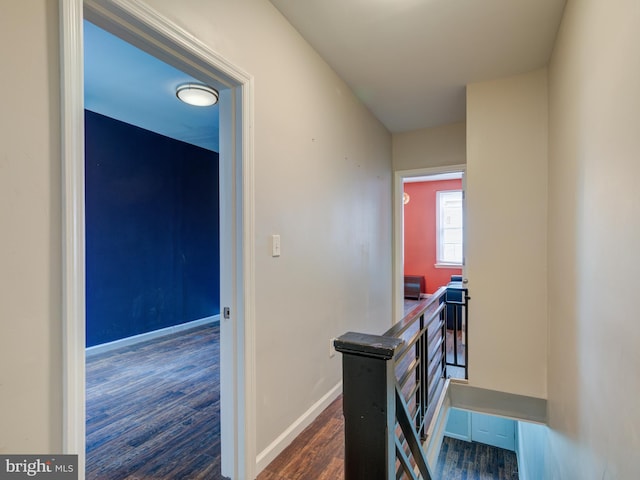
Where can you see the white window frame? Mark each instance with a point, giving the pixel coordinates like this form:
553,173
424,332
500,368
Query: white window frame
440,262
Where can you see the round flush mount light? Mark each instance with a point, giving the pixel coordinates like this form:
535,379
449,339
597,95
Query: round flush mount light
197,94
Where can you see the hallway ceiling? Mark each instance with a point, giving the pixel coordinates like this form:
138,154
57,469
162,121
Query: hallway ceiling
127,84
410,60
407,60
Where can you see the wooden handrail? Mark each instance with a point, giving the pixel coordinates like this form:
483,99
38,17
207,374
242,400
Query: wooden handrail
408,320
387,389
391,384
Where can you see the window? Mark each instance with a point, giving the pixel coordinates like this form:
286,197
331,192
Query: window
449,228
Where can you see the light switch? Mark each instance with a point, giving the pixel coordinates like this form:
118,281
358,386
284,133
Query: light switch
275,245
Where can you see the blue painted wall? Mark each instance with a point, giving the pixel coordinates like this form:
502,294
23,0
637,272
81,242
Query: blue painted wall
533,442
152,231
458,424
483,428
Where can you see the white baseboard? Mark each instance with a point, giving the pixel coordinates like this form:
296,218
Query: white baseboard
269,454
143,337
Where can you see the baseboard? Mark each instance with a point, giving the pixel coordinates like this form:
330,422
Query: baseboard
269,454
143,337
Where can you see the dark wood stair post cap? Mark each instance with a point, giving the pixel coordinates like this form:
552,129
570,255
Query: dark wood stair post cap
375,346
368,404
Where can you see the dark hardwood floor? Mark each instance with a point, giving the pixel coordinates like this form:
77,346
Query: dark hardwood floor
460,460
153,409
153,412
316,454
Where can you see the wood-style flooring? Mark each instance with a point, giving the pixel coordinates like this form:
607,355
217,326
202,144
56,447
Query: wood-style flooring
153,412
153,409
316,454
460,460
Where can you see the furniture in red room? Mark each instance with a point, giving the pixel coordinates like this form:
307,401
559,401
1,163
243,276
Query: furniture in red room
414,286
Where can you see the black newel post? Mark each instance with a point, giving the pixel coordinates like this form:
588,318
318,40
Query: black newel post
368,405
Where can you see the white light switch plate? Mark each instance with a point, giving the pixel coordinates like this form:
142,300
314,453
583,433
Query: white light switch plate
275,245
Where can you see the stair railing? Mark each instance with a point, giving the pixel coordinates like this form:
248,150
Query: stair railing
391,384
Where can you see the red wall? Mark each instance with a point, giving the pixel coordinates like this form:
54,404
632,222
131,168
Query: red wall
420,233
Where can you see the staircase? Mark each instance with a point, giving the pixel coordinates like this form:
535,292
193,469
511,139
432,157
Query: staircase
394,389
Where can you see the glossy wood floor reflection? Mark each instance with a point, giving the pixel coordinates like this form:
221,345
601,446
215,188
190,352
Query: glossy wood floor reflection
460,460
153,409
316,454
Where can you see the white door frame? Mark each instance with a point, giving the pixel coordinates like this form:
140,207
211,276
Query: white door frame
398,227
145,28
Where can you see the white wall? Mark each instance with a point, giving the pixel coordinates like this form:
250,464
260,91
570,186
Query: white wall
30,222
430,147
507,233
594,233
323,182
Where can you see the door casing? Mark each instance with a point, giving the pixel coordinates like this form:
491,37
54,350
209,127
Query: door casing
143,27
398,228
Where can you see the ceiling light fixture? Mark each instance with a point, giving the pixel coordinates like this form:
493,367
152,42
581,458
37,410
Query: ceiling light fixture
197,94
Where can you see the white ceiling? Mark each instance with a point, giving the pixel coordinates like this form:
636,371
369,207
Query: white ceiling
125,83
410,60
407,60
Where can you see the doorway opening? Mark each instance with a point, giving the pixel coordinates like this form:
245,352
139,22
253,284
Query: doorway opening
152,268
433,229
429,249
146,29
